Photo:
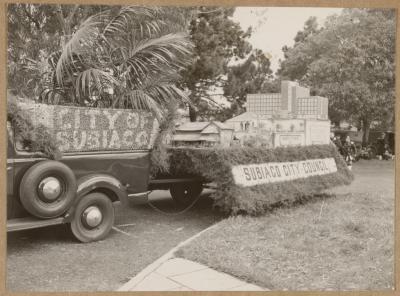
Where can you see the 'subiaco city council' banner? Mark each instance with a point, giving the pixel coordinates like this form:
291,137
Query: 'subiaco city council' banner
256,174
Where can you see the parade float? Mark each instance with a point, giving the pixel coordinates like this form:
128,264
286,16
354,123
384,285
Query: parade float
284,153
81,159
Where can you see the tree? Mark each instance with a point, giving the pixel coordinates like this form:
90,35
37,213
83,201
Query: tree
34,32
217,40
254,75
310,28
126,57
350,61
301,54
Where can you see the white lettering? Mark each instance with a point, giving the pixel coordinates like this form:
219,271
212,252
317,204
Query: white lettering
64,125
111,118
105,138
92,113
79,139
114,142
132,120
62,139
141,138
93,140
127,138
256,174
77,119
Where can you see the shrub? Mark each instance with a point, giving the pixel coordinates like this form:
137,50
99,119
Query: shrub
215,164
159,154
33,137
257,141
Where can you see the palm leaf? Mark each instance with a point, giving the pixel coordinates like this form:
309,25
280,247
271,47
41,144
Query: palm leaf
144,17
94,79
143,48
80,42
159,55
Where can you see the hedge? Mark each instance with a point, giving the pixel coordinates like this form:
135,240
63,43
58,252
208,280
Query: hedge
33,137
215,164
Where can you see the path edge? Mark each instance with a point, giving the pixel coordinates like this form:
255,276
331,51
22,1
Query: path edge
153,266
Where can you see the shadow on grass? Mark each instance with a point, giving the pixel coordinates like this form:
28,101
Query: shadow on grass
288,204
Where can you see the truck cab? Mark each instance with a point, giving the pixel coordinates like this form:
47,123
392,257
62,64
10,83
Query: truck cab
78,189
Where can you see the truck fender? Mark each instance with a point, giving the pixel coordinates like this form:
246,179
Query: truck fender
99,182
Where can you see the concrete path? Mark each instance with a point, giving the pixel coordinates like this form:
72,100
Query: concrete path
177,274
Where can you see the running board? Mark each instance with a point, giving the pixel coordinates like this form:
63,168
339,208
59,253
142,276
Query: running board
175,180
31,223
138,198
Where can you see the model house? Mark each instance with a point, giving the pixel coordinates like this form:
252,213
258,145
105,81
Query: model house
203,134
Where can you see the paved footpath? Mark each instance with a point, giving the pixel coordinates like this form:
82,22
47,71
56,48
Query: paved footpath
177,274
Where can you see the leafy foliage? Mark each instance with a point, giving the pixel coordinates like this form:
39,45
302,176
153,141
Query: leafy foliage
159,157
252,76
217,40
303,55
215,165
350,61
33,137
34,33
121,57
135,52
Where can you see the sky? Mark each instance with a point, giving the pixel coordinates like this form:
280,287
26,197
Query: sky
274,27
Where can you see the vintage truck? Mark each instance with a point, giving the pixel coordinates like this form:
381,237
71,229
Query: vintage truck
81,187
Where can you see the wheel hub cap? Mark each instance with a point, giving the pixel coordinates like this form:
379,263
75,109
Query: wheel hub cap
50,188
92,216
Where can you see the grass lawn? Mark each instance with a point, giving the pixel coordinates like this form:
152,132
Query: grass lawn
342,242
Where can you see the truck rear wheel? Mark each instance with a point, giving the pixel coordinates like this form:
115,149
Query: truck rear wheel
185,193
93,217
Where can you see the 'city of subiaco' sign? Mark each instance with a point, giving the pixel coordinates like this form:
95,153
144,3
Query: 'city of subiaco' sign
263,173
93,129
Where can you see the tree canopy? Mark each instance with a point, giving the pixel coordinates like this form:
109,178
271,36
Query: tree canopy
254,75
68,54
217,40
350,61
34,33
126,57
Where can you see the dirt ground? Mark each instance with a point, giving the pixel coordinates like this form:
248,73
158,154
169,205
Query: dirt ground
49,259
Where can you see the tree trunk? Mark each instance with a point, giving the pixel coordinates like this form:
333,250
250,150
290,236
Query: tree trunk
192,113
66,22
365,127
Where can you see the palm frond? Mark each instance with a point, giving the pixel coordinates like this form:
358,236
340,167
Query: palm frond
160,55
144,17
80,42
141,100
129,51
94,80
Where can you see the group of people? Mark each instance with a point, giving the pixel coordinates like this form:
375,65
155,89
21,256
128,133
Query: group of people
347,149
350,153
383,150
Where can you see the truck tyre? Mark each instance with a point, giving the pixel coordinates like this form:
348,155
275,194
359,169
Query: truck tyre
185,193
48,189
93,217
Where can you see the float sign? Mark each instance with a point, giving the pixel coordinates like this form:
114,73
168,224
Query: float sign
272,172
95,129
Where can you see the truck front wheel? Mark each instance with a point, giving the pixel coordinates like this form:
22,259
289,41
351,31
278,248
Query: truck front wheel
48,189
185,193
93,217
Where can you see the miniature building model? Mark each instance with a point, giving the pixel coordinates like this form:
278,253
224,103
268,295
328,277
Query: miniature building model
203,134
263,103
291,117
293,101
